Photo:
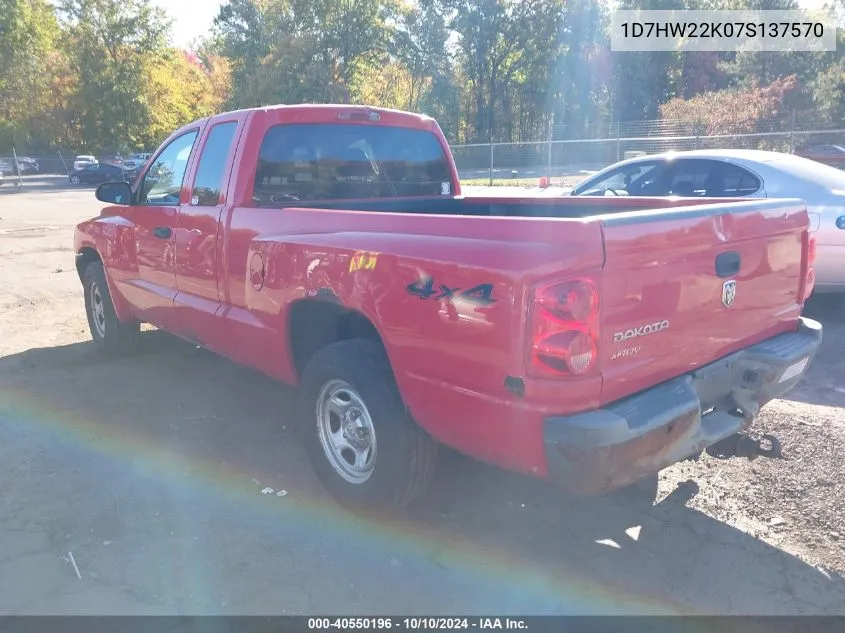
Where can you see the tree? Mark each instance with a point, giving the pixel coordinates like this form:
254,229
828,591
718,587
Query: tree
28,35
290,51
109,45
732,111
178,89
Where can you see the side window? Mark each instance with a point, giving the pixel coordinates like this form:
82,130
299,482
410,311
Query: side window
690,177
212,165
637,179
163,181
737,182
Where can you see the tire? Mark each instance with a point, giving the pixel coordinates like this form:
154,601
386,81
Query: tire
397,457
108,332
74,180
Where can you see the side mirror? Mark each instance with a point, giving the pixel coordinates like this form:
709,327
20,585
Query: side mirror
114,193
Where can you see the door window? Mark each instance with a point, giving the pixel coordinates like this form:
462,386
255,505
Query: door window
163,181
634,179
738,182
690,177
712,179
209,179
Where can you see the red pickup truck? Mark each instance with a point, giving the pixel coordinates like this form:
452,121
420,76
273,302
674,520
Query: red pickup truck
589,341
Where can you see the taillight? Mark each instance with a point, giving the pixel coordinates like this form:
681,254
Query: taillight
810,280
564,329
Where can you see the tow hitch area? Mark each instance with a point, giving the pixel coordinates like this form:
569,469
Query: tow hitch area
741,445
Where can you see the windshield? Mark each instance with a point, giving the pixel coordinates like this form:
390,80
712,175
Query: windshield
334,161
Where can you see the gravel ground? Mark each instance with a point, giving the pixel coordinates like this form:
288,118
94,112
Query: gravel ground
149,470
795,502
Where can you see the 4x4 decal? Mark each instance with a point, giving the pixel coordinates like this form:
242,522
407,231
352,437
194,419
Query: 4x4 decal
481,294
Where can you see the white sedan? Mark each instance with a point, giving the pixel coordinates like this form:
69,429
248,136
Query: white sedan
735,173
83,161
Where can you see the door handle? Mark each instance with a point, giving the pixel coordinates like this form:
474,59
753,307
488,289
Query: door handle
727,264
162,232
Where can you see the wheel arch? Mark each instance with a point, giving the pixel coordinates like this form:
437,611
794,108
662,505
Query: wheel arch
315,323
85,256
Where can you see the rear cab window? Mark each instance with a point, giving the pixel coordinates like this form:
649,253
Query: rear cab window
332,161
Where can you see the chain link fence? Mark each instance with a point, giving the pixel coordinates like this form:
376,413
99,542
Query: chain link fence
564,157
567,160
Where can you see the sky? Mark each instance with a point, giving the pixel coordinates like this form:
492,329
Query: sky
193,18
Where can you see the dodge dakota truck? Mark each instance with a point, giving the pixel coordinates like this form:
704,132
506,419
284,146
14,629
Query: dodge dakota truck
590,342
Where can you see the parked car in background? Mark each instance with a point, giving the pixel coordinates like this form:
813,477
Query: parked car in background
737,173
28,165
83,160
96,173
133,164
111,159
833,155
134,161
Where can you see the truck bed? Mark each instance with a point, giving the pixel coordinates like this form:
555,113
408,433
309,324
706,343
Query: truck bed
492,206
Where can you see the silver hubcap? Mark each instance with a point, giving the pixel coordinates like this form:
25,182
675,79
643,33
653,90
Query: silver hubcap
98,311
346,431
75,180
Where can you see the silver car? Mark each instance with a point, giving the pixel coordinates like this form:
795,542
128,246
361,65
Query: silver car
735,173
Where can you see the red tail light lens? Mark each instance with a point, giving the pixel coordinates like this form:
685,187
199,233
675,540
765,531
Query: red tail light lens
810,281
575,301
564,334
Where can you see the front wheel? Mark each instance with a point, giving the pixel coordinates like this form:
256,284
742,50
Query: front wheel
106,330
364,447
74,180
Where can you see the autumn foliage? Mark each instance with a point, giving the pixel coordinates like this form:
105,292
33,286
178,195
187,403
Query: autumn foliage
102,76
731,111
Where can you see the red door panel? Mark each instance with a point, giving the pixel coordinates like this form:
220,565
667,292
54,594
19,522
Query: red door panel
197,298
155,217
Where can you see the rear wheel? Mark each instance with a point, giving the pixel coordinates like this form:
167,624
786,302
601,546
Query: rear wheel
74,180
106,330
364,447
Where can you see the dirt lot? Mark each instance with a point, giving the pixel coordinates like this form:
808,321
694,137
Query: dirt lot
145,475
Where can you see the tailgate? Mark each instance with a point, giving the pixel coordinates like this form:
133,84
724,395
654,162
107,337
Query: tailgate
684,287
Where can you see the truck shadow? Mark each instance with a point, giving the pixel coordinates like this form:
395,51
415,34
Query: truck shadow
200,409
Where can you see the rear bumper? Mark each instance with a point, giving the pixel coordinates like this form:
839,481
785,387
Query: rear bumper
602,450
